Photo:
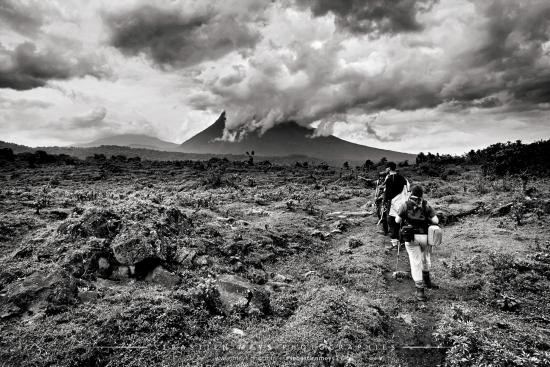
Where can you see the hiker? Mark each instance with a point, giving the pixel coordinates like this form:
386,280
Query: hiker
394,184
416,215
379,201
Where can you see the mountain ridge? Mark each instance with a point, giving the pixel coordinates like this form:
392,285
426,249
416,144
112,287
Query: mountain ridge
139,141
285,139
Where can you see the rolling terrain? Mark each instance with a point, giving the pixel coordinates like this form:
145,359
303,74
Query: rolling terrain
220,263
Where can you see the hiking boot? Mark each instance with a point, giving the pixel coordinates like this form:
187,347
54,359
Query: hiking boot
388,249
427,281
420,296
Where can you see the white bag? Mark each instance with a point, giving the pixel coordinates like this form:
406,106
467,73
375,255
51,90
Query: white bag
435,235
421,239
399,200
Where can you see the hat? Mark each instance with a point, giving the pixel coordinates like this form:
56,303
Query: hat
417,191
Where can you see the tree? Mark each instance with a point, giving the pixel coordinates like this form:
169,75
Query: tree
420,158
7,154
368,164
250,158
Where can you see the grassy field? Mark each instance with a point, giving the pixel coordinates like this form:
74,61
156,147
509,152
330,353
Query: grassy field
223,264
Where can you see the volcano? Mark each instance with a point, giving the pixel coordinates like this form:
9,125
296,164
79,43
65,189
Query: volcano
287,139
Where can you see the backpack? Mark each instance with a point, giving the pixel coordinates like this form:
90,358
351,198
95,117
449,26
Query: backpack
399,200
417,218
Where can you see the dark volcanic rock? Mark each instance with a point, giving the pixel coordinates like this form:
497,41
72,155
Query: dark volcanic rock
238,294
41,292
162,276
185,256
134,244
97,223
354,243
94,223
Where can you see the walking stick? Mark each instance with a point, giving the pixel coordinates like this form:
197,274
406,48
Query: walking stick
398,274
398,248
397,260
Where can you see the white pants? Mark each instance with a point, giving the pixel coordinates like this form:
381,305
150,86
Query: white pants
420,258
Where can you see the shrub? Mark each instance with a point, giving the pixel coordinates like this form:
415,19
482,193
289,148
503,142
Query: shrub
471,344
429,169
7,154
481,185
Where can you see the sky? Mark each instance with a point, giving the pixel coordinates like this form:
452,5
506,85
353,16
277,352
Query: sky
442,76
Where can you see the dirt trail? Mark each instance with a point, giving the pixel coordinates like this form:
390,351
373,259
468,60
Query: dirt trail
412,323
364,273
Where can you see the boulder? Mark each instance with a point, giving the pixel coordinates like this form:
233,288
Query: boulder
185,256
238,294
134,244
42,291
354,243
96,223
174,223
94,257
162,276
502,210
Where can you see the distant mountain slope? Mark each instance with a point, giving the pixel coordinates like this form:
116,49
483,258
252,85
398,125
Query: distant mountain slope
147,154
134,141
287,139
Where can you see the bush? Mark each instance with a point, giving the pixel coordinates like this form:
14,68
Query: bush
472,344
429,169
7,154
481,185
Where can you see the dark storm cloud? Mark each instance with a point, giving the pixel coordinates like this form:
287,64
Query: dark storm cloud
20,17
25,67
500,62
171,38
371,16
509,59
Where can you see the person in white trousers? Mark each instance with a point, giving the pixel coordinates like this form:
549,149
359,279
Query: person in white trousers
415,217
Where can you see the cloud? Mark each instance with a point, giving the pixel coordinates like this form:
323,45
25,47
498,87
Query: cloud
177,36
499,60
374,17
325,128
509,57
21,17
94,117
372,131
455,70
26,67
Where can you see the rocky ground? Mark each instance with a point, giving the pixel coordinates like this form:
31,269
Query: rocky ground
222,264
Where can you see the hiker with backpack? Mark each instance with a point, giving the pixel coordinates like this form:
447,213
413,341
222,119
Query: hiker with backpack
394,184
379,201
420,232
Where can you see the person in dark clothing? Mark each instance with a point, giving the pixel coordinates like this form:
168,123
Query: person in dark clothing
379,201
394,184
